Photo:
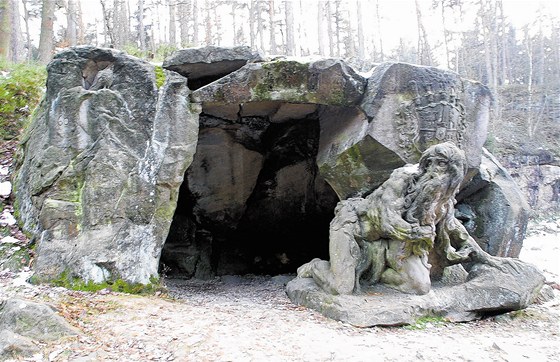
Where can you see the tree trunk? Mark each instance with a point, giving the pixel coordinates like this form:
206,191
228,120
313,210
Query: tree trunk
141,30
72,23
321,27
5,28
184,9
260,25
108,33
207,25
195,22
217,24
46,41
28,34
330,29
290,43
361,42
252,11
272,30
337,31
172,27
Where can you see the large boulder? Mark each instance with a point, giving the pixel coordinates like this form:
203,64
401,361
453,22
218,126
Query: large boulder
405,109
494,210
33,320
327,81
103,161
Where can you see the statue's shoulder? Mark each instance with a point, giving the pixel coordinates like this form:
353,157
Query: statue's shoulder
399,177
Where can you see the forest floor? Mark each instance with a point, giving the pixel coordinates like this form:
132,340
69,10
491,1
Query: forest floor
250,318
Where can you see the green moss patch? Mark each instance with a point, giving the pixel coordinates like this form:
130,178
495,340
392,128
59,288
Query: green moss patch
66,280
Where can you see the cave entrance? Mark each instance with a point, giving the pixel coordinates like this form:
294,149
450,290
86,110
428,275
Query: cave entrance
252,201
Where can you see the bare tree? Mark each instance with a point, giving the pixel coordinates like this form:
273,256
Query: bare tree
5,27
330,29
321,26
141,28
290,42
172,25
272,27
424,50
46,40
195,22
184,8
360,25
72,22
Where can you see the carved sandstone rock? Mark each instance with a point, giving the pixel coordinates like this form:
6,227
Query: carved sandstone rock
404,110
105,158
103,165
494,209
404,236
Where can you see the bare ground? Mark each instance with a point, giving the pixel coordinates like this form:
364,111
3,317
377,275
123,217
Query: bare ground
251,319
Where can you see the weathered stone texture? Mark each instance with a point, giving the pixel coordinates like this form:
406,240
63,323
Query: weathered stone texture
329,82
494,210
486,290
33,320
101,171
204,65
280,142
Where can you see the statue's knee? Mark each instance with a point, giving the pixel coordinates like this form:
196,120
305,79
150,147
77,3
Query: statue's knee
422,288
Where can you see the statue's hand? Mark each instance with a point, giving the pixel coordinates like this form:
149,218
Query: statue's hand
505,265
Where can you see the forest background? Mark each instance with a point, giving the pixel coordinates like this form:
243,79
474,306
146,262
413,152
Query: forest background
512,46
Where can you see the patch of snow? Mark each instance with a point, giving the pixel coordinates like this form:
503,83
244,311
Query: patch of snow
6,219
543,251
3,170
5,188
9,240
22,278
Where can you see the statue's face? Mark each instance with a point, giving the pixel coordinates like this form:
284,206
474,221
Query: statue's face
437,164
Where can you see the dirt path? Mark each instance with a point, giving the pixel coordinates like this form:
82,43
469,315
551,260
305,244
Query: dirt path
251,319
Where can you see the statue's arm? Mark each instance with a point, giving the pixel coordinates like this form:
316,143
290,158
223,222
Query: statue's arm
466,248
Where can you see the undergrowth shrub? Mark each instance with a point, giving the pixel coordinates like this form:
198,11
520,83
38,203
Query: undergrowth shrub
21,88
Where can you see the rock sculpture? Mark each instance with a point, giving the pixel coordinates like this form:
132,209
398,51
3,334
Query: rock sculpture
405,236
402,234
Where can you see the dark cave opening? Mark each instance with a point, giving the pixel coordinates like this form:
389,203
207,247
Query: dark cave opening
252,202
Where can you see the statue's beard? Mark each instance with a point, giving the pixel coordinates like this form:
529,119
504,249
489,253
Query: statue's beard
426,196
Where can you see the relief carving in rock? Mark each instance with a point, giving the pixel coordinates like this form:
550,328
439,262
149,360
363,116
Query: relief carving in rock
431,117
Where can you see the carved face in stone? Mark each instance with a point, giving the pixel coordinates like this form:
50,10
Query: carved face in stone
442,168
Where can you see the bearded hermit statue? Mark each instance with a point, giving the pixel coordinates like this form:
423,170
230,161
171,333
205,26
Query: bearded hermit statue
403,234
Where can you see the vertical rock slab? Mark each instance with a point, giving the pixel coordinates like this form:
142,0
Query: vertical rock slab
103,162
494,210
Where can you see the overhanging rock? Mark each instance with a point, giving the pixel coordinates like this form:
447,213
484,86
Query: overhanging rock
204,65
